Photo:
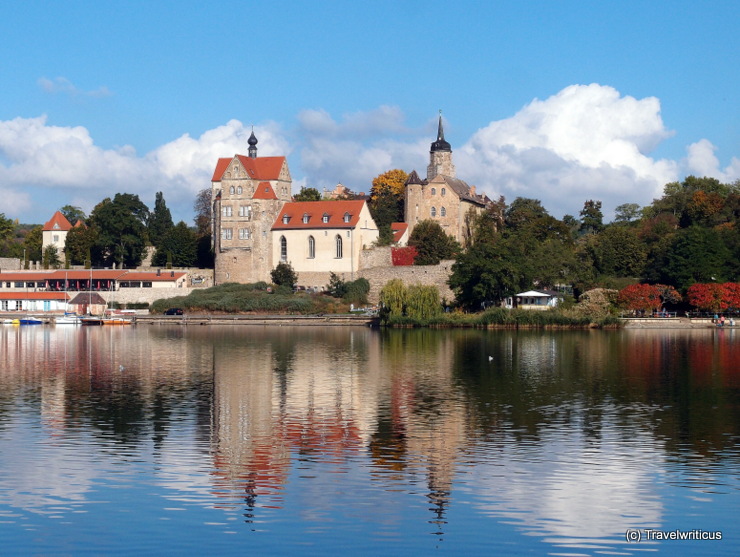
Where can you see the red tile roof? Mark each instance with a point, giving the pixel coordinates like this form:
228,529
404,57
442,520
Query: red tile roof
315,210
399,229
166,275
261,168
264,191
59,220
19,295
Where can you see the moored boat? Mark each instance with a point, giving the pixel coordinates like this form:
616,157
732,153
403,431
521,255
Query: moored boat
91,320
68,319
116,321
30,321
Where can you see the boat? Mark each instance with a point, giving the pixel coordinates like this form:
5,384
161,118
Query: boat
91,320
68,319
30,320
116,321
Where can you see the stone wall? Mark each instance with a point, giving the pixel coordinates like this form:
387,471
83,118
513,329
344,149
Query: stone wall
436,275
10,264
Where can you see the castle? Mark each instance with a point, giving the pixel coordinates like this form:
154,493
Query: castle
256,225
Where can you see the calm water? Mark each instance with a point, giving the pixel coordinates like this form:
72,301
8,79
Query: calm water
156,439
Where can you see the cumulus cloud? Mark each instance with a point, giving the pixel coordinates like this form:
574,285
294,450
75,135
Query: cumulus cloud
64,85
701,161
585,142
39,161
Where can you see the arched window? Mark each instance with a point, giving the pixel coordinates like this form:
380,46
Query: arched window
231,190
339,246
311,247
283,249
239,190
434,191
444,191
434,211
442,212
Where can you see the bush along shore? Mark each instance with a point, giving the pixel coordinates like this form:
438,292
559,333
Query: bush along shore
501,318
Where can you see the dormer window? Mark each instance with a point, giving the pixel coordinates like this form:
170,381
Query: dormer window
305,218
325,218
286,219
347,216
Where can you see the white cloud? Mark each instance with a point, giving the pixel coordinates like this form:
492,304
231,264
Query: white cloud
40,162
701,161
585,142
64,85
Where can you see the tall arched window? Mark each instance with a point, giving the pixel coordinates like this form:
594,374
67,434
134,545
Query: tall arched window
434,211
339,246
434,191
283,249
442,212
231,190
311,247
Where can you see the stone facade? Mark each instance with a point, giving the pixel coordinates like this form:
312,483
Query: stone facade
436,275
248,193
442,197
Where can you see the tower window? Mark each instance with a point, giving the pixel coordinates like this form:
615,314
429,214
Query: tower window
442,212
239,190
231,190
443,192
434,211
434,191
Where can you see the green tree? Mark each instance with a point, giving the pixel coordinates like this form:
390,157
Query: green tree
32,244
7,228
178,247
160,221
693,255
203,208
73,214
80,241
523,210
626,213
284,275
432,243
308,194
592,220
619,252
121,231
51,259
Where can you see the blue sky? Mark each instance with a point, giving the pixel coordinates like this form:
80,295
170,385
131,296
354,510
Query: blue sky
560,101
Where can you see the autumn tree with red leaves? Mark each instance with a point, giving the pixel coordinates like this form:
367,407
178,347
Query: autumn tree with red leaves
714,297
640,297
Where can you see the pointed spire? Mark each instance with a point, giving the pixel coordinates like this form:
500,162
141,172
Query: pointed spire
441,144
252,145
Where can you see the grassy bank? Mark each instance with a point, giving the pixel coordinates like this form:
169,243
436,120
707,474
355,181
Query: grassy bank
504,319
259,297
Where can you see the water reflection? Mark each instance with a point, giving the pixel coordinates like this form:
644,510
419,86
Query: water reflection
561,438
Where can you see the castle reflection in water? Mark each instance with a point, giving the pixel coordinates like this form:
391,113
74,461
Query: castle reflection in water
234,415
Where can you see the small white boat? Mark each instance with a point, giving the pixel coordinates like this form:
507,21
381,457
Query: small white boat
68,319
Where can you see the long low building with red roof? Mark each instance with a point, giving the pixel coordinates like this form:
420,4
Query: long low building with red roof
34,301
83,280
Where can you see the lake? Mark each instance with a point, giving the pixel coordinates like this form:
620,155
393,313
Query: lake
307,440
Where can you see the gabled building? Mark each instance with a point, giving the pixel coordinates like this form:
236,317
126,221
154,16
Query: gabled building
248,193
319,237
442,197
55,232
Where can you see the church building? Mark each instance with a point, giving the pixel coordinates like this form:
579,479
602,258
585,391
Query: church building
442,197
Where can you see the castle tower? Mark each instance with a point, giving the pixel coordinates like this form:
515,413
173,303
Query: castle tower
413,198
440,156
252,145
